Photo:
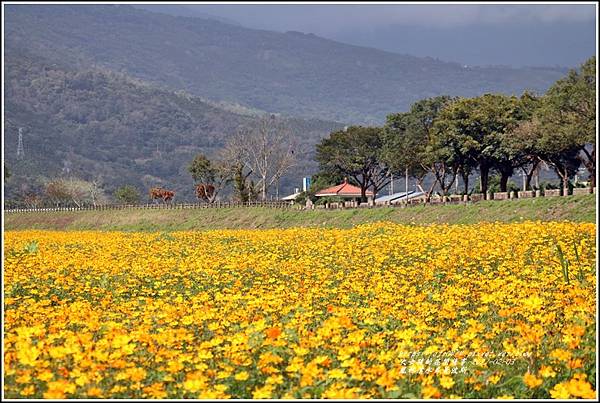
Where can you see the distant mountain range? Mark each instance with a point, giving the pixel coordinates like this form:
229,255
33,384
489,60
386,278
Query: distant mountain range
293,73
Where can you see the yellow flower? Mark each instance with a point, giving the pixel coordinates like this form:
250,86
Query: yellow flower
337,391
336,374
194,385
430,392
155,391
264,392
293,367
241,376
547,371
45,375
531,380
581,388
446,382
94,392
560,354
59,389
28,355
534,302
159,315
274,380
560,391
28,390
493,379
25,378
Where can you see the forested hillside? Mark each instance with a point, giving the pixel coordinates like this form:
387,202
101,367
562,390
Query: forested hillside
293,73
98,124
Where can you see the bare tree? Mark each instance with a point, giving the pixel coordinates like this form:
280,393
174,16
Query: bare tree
76,191
97,195
79,190
269,151
235,160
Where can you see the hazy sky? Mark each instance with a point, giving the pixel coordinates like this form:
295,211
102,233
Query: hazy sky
518,34
329,18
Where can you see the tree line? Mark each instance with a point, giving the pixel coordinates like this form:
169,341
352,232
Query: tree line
440,139
446,138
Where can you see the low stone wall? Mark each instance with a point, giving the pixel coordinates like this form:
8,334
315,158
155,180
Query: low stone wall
526,194
581,191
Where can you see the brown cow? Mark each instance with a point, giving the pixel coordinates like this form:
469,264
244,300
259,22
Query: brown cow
205,192
168,195
156,193
160,193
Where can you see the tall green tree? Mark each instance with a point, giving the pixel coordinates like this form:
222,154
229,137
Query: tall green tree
569,112
561,152
127,194
411,144
202,169
214,176
476,126
355,153
510,154
523,142
401,147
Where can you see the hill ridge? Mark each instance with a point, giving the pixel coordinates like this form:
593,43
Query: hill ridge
299,75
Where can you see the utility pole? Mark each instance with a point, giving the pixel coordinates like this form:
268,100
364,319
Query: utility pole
20,148
391,183
406,185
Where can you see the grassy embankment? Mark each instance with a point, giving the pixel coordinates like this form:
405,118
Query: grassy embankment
574,208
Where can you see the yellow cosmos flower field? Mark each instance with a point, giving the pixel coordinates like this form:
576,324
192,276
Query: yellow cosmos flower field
381,310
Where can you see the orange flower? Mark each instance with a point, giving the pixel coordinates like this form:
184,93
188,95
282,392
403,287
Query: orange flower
345,321
94,392
273,332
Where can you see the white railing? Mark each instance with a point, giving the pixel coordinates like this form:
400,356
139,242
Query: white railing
172,206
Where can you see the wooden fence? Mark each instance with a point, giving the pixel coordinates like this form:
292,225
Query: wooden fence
453,199
153,206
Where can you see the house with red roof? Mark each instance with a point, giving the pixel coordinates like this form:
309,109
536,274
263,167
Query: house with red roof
345,191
